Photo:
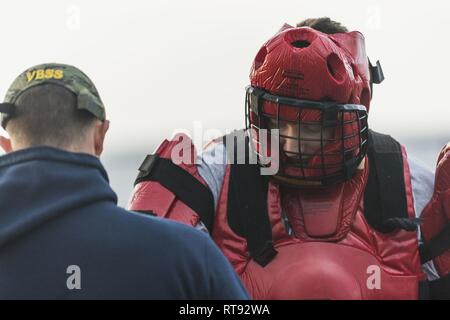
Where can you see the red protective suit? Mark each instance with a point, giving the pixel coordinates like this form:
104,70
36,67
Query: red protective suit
333,252
355,236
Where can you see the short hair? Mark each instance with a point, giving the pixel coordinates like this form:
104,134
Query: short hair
324,24
47,114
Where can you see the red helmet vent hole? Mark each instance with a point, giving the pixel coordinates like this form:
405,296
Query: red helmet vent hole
336,67
260,58
300,44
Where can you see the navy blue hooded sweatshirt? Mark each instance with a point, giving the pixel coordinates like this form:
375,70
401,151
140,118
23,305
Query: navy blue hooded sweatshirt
57,210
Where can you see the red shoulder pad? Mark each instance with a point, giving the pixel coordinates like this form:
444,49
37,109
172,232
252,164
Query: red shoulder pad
151,196
436,215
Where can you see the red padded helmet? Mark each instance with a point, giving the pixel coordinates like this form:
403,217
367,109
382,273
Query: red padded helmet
305,78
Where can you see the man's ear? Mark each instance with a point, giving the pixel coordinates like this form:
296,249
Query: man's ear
100,133
5,143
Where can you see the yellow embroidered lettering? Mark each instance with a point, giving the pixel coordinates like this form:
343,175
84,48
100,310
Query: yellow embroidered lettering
49,73
30,75
58,74
40,74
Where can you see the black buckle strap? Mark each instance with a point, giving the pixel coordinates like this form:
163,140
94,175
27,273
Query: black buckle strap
407,224
187,188
440,288
376,73
266,255
247,202
385,206
435,246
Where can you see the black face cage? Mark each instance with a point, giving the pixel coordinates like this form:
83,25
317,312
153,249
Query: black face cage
334,166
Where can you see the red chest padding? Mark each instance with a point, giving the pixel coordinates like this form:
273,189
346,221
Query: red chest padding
170,186
332,246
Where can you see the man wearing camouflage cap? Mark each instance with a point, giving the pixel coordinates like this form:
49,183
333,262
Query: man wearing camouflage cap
61,233
51,84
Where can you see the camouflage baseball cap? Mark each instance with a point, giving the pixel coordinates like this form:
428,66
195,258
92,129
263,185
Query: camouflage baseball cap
63,75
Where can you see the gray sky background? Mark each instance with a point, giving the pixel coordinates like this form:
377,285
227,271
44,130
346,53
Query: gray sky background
161,65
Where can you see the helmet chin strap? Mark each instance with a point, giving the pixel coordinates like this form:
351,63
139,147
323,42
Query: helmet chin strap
376,75
297,183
